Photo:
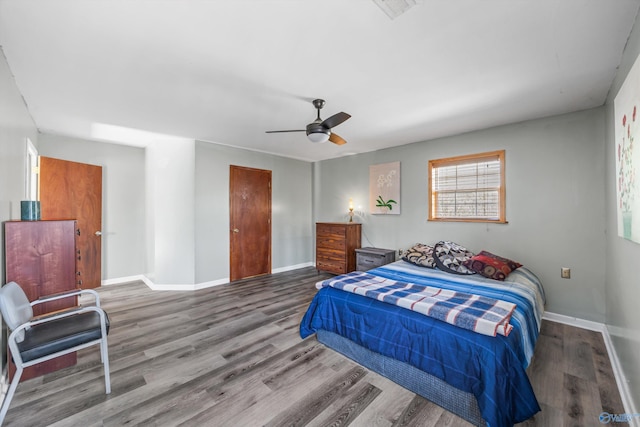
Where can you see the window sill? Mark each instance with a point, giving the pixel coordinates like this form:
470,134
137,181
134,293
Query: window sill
490,221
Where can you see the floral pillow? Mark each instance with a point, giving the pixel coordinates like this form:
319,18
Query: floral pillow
450,257
421,255
491,266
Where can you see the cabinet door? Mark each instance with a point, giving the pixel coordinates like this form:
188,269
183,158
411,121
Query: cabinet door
41,257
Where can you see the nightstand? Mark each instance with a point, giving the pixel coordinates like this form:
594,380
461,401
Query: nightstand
368,258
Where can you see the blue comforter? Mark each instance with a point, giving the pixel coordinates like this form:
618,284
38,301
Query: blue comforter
491,368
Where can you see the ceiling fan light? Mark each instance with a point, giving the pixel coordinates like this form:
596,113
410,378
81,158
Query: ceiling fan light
318,136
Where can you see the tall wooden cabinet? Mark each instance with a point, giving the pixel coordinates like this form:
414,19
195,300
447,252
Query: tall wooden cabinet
40,256
336,243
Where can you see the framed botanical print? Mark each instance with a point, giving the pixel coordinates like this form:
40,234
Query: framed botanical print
627,155
384,188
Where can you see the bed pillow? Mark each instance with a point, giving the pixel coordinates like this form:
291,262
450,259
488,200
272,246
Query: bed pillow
450,257
420,255
491,266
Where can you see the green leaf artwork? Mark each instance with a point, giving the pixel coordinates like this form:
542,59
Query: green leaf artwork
380,203
384,188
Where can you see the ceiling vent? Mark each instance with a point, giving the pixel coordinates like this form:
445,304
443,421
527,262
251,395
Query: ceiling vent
395,8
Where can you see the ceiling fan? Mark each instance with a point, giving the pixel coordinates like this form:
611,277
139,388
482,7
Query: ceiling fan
320,130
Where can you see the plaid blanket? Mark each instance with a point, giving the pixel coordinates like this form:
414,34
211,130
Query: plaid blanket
480,314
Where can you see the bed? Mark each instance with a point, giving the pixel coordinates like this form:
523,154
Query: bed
481,378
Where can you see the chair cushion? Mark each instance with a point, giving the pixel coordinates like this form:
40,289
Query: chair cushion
48,338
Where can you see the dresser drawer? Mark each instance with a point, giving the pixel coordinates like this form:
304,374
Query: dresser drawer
330,254
368,258
331,267
331,229
367,262
333,241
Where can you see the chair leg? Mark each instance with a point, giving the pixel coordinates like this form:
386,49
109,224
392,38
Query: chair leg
104,355
10,393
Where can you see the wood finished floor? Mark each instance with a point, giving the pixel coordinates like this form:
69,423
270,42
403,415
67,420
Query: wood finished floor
232,356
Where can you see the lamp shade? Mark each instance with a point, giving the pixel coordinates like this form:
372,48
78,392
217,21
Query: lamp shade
318,136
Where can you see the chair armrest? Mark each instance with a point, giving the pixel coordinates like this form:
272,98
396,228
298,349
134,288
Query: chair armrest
54,314
66,294
49,317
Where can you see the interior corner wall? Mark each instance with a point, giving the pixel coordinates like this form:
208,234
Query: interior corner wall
123,202
291,219
622,283
170,175
554,202
16,125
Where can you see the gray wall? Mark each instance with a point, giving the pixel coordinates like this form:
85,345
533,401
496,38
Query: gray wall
16,126
126,189
170,166
292,231
555,202
622,278
123,198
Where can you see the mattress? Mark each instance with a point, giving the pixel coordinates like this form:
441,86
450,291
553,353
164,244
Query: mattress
432,388
490,368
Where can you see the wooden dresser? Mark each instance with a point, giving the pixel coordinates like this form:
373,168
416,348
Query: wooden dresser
41,257
336,244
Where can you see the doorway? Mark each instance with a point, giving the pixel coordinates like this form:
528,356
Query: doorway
71,190
249,222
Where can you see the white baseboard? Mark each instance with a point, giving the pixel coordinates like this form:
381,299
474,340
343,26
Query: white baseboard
164,286
621,381
574,321
122,280
189,287
292,267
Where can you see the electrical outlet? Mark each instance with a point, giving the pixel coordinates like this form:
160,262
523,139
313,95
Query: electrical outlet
399,253
565,273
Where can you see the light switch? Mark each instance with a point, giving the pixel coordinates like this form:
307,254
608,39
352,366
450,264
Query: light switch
565,273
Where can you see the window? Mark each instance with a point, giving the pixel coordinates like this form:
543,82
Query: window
468,188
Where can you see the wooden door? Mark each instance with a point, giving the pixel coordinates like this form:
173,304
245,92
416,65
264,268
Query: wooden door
71,190
250,222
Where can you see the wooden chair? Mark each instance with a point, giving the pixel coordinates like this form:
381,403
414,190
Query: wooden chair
37,339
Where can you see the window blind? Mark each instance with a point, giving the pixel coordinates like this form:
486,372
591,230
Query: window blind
468,187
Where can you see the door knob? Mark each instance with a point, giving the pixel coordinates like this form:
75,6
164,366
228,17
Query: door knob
235,230
98,233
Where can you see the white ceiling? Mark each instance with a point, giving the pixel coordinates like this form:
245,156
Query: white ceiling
225,71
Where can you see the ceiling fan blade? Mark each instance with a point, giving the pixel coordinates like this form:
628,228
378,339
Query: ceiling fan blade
281,131
336,139
335,120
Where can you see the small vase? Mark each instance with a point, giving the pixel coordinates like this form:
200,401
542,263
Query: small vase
30,210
